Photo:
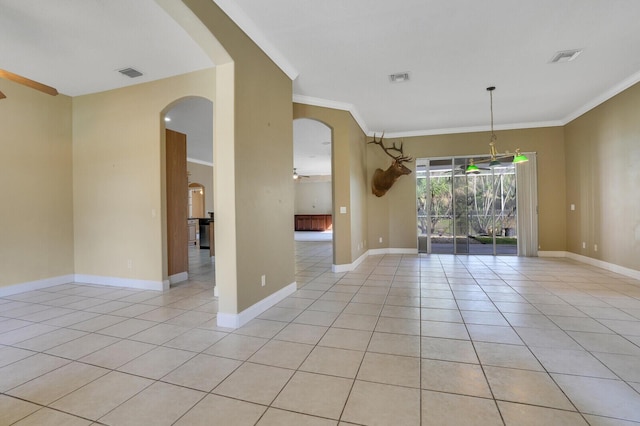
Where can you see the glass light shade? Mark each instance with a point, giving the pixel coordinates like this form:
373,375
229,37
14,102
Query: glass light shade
494,163
520,158
472,168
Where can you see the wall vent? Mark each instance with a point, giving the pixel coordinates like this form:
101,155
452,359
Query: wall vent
399,77
565,56
130,72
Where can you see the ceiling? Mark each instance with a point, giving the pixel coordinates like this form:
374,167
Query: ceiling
340,54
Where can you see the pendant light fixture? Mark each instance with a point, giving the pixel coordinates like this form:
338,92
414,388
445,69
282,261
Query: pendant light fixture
493,152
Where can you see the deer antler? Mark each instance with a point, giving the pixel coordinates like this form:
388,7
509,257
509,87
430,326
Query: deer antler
399,158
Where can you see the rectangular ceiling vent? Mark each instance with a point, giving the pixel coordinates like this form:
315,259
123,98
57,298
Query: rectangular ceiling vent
130,72
565,56
399,77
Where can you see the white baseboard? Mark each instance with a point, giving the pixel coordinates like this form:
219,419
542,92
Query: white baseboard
240,319
35,285
123,282
179,277
622,270
347,267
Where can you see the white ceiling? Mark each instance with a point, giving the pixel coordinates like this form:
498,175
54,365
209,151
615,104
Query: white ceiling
340,54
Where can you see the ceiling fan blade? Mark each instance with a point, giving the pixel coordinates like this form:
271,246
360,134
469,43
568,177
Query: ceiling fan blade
2,95
28,82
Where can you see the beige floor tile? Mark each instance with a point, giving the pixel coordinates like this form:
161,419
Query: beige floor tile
102,395
13,409
97,323
443,315
26,369
9,355
576,362
49,417
527,387
493,334
24,333
607,421
195,340
215,409
356,322
361,308
511,356
447,409
265,329
401,312
159,404
315,394
390,369
328,306
159,334
448,330
529,415
398,326
395,344
57,383
627,367
72,318
157,362
202,372
280,314
544,338
316,318
602,397
378,404
191,319
346,339
302,333
608,343
236,346
127,328
82,346
275,417
243,383
448,350
118,354
161,314
579,324
49,340
454,377
333,361
279,353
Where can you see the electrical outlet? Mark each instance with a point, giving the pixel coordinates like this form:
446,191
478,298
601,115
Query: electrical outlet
264,280
595,247
129,263
380,240
584,245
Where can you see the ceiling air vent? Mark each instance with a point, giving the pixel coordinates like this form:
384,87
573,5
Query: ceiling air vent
130,72
399,77
565,56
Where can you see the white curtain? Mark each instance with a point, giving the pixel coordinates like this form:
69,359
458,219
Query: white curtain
527,204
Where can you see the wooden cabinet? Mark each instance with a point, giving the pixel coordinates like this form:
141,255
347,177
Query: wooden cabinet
312,222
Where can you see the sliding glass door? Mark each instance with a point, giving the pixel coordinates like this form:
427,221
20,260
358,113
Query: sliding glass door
462,213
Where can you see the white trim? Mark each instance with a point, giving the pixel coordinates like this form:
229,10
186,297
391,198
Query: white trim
179,277
622,270
552,253
35,285
615,90
346,267
238,320
194,160
123,282
342,106
242,20
374,252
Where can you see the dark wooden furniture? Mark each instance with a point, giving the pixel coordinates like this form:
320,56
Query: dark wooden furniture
312,222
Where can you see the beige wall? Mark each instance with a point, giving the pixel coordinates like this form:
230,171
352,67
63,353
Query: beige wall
313,197
36,228
602,163
118,174
393,216
348,179
263,154
202,174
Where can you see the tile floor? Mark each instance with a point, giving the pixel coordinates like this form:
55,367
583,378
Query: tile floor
403,340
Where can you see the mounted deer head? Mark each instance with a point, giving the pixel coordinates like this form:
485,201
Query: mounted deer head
384,179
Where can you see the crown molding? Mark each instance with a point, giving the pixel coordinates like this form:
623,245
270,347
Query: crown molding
247,25
326,103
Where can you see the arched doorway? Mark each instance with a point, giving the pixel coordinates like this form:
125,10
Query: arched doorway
313,194
188,128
